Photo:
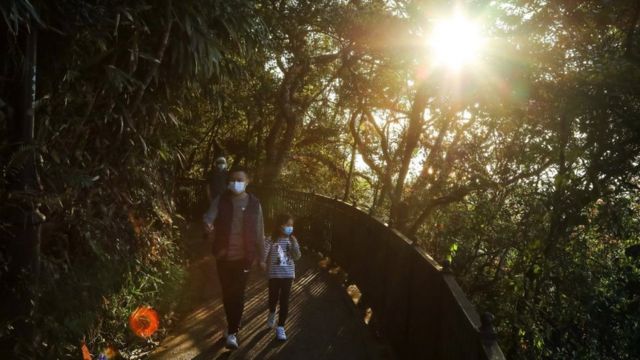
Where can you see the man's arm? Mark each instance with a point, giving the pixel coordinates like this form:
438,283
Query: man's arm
260,236
208,179
212,213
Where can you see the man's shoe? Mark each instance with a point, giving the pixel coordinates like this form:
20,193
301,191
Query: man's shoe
232,341
280,334
271,320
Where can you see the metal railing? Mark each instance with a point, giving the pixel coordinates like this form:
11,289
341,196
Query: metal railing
417,304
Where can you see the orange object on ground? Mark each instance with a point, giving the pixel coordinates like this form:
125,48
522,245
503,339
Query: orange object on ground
144,321
86,355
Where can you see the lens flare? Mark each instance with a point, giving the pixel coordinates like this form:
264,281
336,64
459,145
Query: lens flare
144,321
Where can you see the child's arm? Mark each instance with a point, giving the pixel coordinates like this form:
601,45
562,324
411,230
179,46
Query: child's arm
295,249
260,243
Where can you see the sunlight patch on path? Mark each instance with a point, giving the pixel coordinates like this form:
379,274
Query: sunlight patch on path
322,324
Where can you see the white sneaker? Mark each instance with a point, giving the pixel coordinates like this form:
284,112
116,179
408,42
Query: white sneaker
232,341
271,320
280,334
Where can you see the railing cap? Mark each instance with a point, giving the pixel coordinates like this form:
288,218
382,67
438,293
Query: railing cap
487,331
446,266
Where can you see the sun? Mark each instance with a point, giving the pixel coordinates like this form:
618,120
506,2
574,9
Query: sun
455,42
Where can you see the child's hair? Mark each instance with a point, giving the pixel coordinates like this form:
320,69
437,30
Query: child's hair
280,220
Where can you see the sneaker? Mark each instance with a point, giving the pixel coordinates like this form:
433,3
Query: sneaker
271,320
232,341
280,334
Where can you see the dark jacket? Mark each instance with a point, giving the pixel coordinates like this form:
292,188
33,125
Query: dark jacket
250,226
217,182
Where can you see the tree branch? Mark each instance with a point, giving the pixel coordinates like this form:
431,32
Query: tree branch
459,193
384,140
366,157
631,33
153,69
413,136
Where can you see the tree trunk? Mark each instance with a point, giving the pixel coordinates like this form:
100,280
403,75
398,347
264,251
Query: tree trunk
347,187
279,141
21,246
416,122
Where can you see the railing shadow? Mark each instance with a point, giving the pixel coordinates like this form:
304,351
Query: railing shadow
416,303
320,325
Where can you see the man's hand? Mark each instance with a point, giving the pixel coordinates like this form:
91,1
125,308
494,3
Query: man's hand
263,265
221,253
208,227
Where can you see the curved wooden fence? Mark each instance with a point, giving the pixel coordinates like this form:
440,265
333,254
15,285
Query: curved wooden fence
418,306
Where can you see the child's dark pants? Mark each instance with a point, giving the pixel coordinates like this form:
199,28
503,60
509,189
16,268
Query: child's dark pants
279,289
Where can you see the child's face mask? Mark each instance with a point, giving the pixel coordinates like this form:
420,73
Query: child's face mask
237,187
287,230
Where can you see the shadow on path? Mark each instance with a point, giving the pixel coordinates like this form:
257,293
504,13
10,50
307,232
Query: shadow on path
322,322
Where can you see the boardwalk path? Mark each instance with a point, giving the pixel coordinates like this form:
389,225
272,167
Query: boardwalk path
322,324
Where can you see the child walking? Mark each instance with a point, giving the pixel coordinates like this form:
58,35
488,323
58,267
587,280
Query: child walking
281,250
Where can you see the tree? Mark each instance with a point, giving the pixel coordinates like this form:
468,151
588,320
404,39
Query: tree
104,144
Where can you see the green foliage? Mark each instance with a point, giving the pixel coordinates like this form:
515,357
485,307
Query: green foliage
526,177
506,170
115,82
17,12
558,306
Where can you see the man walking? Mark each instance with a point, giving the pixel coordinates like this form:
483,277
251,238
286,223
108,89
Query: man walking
235,217
217,178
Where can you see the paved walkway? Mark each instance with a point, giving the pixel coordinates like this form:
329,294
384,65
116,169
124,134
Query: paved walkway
322,324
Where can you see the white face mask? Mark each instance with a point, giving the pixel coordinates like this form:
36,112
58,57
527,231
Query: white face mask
237,187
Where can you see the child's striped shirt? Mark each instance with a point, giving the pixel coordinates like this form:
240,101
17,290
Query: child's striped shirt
280,256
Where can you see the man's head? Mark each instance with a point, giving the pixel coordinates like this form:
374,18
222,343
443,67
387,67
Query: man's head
238,179
220,163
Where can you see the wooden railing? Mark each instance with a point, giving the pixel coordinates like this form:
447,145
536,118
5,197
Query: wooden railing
417,304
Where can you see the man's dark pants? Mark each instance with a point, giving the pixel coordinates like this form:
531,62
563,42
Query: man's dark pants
233,276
